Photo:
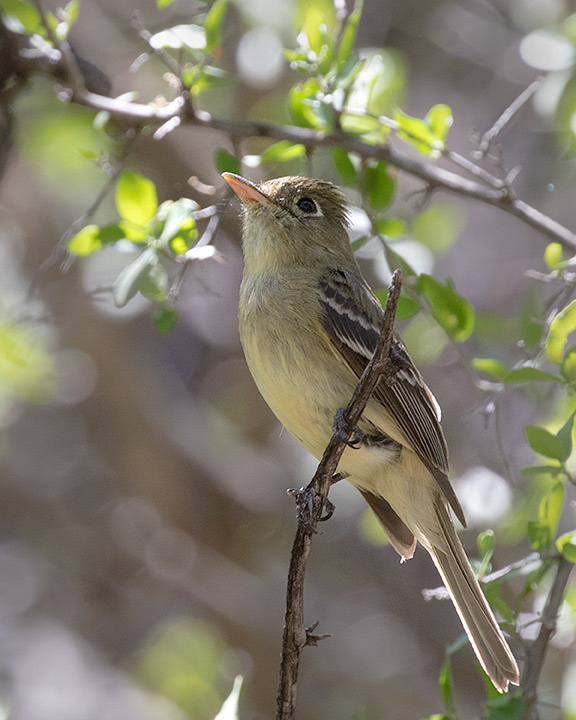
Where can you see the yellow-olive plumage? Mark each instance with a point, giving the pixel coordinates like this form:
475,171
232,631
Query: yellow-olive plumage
309,323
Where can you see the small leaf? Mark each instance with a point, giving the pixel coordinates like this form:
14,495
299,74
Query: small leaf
348,38
486,543
439,119
313,21
213,25
345,166
568,368
563,324
136,199
565,436
25,13
379,186
128,282
446,681
506,707
390,227
417,133
553,255
161,4
225,162
164,319
359,124
407,307
539,535
551,507
529,374
495,368
177,215
283,151
566,544
540,470
85,242
454,314
545,443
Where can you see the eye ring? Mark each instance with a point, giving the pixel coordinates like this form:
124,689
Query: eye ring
308,206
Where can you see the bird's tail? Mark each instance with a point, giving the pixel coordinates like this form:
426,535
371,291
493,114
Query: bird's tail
479,622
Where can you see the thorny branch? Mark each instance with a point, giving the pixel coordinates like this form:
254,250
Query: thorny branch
296,636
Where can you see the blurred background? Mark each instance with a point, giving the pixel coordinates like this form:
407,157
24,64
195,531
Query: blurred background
145,528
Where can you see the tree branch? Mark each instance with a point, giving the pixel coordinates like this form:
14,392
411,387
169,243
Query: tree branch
296,636
537,652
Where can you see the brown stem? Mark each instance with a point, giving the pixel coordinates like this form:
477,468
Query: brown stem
537,652
296,636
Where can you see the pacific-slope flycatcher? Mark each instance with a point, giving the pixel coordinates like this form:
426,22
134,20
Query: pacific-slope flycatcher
309,324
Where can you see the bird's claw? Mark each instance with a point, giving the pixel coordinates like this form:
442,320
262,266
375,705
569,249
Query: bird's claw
341,430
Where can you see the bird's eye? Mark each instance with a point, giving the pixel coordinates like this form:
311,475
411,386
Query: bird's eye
307,206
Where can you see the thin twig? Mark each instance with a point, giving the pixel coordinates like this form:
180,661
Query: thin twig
295,636
537,652
491,134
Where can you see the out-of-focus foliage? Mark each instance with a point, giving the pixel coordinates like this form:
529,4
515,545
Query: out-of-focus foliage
146,538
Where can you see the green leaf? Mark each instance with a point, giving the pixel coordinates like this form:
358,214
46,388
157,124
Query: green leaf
176,217
25,13
529,374
486,543
390,227
111,234
348,38
495,368
553,256
136,199
164,319
407,307
453,313
85,242
379,186
565,436
439,119
283,151
563,324
314,28
540,470
128,281
417,133
551,507
229,710
213,25
161,4
545,443
359,124
568,367
506,707
225,162
445,682
439,226
307,106
566,544
345,166
539,535
154,282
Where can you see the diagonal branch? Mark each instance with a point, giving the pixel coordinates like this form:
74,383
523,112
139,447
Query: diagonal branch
537,651
296,636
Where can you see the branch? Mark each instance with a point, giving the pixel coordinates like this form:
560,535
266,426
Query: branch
296,636
483,186
537,652
436,177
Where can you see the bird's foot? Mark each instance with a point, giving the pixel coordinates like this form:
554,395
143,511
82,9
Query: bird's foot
342,431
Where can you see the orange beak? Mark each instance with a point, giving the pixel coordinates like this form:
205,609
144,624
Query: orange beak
247,191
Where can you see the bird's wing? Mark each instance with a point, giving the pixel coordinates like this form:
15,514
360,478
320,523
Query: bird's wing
351,317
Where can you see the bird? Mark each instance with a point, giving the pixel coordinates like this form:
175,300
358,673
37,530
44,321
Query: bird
309,324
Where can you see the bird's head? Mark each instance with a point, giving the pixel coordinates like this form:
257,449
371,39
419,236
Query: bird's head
292,219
